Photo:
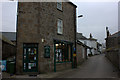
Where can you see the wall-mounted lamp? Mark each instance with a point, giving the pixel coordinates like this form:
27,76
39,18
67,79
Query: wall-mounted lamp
43,40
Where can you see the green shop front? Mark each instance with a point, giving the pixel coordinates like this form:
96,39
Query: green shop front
63,55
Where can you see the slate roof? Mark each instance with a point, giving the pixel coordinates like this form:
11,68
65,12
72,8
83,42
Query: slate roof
10,35
3,38
79,42
80,36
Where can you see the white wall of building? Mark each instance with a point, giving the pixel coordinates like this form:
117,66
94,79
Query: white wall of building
90,43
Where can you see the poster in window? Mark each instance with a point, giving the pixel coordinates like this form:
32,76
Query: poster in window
56,56
24,66
60,57
34,50
35,58
24,51
29,66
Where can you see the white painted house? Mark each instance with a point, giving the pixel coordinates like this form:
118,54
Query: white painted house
91,42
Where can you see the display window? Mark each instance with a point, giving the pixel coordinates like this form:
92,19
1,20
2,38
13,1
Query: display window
63,52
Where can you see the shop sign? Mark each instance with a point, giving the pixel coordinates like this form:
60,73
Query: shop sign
47,51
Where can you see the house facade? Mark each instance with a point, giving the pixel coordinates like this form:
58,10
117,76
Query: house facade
99,48
91,42
45,36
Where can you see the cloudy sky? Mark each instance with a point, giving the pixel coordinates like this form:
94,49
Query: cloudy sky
97,14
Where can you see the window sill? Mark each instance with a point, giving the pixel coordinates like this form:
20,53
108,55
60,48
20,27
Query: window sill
59,34
59,10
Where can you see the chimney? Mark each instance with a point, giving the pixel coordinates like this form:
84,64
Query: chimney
90,36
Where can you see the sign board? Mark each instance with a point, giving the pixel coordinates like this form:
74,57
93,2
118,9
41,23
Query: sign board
74,55
47,51
3,65
74,49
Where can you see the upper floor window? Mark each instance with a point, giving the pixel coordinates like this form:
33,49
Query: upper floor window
59,26
59,5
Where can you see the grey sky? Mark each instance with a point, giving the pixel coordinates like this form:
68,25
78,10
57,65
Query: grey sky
9,16
96,16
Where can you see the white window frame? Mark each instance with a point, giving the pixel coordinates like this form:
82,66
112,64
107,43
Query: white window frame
59,5
59,26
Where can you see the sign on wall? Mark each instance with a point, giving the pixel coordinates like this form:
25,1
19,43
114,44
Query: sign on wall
47,51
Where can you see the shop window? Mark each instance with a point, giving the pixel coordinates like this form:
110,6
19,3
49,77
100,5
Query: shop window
59,26
63,52
59,5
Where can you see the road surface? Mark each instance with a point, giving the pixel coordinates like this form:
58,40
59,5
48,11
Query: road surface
97,66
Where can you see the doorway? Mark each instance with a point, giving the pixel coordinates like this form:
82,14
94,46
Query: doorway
30,57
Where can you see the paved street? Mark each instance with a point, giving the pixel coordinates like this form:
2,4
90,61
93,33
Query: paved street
95,67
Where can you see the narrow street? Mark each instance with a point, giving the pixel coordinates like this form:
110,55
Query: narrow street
95,67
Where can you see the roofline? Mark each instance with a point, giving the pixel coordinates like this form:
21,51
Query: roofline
84,45
72,4
8,32
89,39
114,34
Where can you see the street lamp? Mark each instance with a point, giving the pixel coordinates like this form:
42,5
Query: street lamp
75,50
80,16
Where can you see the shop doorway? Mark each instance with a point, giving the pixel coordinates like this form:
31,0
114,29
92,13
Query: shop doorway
30,57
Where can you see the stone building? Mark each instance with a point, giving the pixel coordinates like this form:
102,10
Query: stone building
46,33
113,48
8,47
10,36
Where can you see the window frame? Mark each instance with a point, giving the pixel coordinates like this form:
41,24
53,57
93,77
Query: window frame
66,54
59,26
58,4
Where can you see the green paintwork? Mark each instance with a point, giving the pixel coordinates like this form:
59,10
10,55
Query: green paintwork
27,60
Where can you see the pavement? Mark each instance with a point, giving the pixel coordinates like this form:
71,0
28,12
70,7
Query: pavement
97,66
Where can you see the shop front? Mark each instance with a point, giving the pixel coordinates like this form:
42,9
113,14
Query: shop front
63,54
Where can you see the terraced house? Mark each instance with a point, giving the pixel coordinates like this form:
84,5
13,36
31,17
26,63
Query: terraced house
45,36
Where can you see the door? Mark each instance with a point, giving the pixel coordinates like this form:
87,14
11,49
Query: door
30,58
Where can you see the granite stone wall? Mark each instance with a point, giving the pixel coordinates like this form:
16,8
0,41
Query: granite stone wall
37,22
80,58
113,56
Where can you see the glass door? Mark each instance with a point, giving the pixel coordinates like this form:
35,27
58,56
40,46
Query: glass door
30,58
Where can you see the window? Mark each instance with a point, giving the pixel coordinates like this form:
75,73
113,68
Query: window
63,52
59,5
60,26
